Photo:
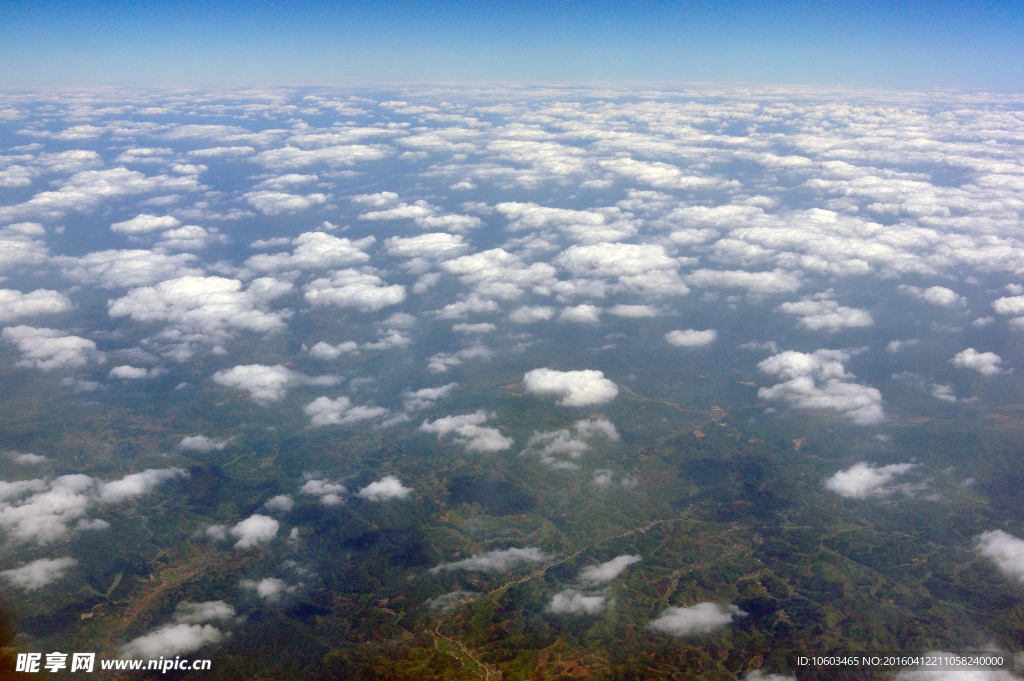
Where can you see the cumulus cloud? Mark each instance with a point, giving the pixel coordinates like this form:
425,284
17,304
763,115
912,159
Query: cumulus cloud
197,613
935,295
314,250
691,338
266,384
127,268
607,478
329,492
469,433
494,561
553,444
1005,550
388,487
827,314
436,245
634,311
442,361
339,412
819,380
47,510
204,309
136,484
351,288
254,530
698,619
15,304
776,281
530,314
575,388
144,223
271,202
424,398
37,574
987,363
201,443
606,572
581,314
49,349
282,502
863,480
171,640
572,602
129,373
326,351
270,589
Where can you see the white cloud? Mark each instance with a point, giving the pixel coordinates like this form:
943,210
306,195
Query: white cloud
436,245
275,202
330,493
827,314
136,484
425,397
698,619
126,268
691,338
494,561
549,445
615,260
388,487
314,250
776,281
254,530
575,388
606,572
572,602
49,349
607,478
204,309
1005,550
352,288
987,363
344,155
37,574
129,373
634,311
440,362
818,381
201,443
339,412
86,190
14,304
894,346
266,384
758,675
935,295
863,480
469,432
171,640
26,459
482,327
269,589
197,613
189,238
326,351
530,314
282,502
581,314
141,224
1009,306
49,509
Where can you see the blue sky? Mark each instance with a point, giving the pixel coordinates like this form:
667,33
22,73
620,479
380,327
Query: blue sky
913,44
